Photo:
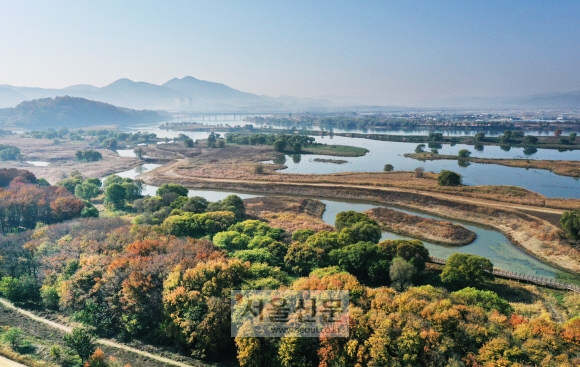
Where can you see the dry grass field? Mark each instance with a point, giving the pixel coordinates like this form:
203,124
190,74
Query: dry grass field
433,230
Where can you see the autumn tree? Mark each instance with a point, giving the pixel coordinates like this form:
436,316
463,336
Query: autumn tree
197,301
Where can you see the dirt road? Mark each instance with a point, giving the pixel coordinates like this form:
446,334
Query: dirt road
5,362
108,342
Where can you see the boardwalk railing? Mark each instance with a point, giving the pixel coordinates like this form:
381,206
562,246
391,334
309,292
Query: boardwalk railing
541,281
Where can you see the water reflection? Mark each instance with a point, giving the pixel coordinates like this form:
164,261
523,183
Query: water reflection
505,148
281,159
530,150
463,163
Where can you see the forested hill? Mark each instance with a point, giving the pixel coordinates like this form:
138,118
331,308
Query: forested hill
73,112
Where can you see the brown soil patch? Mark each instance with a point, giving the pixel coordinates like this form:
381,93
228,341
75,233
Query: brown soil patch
432,230
62,158
289,213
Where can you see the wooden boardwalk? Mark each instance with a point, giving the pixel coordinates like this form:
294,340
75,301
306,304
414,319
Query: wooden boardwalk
537,280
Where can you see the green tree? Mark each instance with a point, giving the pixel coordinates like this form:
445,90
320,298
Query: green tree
401,273
448,178
23,290
573,136
188,143
388,168
221,143
462,270
199,225
86,191
139,152
360,231
349,218
506,137
82,342
231,241
365,260
480,136
174,188
487,300
297,147
279,145
70,183
13,336
420,148
89,211
115,195
570,222
94,181
211,140
302,235
529,139
463,153
232,203
196,204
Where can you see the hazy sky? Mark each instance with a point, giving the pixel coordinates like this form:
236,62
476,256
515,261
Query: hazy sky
393,51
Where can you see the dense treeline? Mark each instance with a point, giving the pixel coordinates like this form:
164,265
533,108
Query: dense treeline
169,282
23,203
106,138
404,121
281,142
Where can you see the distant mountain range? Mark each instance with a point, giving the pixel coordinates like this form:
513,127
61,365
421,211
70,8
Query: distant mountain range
189,94
186,94
73,112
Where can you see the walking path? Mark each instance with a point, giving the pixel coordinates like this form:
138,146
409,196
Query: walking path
107,342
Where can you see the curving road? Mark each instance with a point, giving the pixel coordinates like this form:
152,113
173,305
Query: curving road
108,342
5,362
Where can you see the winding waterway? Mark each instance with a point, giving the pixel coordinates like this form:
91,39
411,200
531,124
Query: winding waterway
383,152
489,243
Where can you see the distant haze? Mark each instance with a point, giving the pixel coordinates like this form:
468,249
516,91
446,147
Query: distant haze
347,52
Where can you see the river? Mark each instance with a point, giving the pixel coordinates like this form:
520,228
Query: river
489,243
382,152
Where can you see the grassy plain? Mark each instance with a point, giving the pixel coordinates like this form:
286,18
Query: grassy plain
432,230
510,210
289,213
61,158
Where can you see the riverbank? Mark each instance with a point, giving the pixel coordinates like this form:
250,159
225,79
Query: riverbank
426,229
534,235
289,213
543,142
61,158
559,167
239,162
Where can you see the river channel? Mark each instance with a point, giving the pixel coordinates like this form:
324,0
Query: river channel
489,243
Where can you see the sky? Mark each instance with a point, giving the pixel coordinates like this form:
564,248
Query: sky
388,52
